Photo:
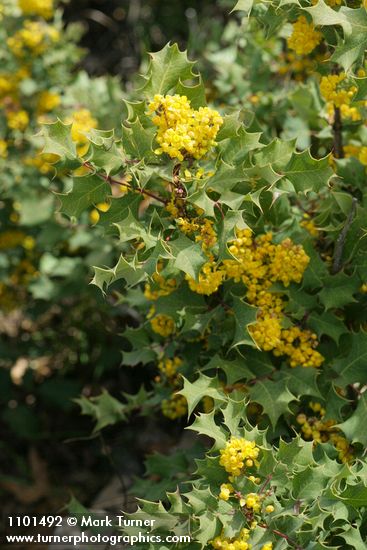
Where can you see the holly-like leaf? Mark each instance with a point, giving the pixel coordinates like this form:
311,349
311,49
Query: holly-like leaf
354,427
167,68
338,290
327,323
189,256
57,140
352,368
354,495
274,397
86,192
104,408
131,272
130,228
205,424
354,24
243,5
195,93
202,387
137,141
244,315
308,174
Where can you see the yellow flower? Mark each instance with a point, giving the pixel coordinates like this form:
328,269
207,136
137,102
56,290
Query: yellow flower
210,279
225,491
304,37
43,8
34,38
163,325
3,149
235,453
17,120
175,407
183,132
47,101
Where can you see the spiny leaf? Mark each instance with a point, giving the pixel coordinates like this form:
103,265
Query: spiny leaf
244,315
274,397
202,387
306,173
167,67
355,427
86,192
57,140
131,272
352,368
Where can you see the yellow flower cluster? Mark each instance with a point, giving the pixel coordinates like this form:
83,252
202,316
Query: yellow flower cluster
183,132
357,151
43,8
43,162
168,367
33,38
298,66
17,120
175,407
3,149
163,325
267,546
160,286
238,454
204,227
337,92
11,239
304,37
309,225
47,101
210,279
320,431
8,298
299,346
259,263
238,543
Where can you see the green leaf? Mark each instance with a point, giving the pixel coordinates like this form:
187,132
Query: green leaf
236,148
195,93
278,154
354,24
204,424
243,5
354,495
189,256
167,67
274,397
57,140
131,272
308,174
301,381
355,427
328,324
202,387
244,315
130,228
137,141
308,483
338,290
352,368
104,408
324,15
86,192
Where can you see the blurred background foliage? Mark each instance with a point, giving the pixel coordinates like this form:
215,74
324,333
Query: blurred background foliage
59,337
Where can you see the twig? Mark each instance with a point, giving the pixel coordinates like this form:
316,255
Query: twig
280,534
338,134
339,245
113,181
